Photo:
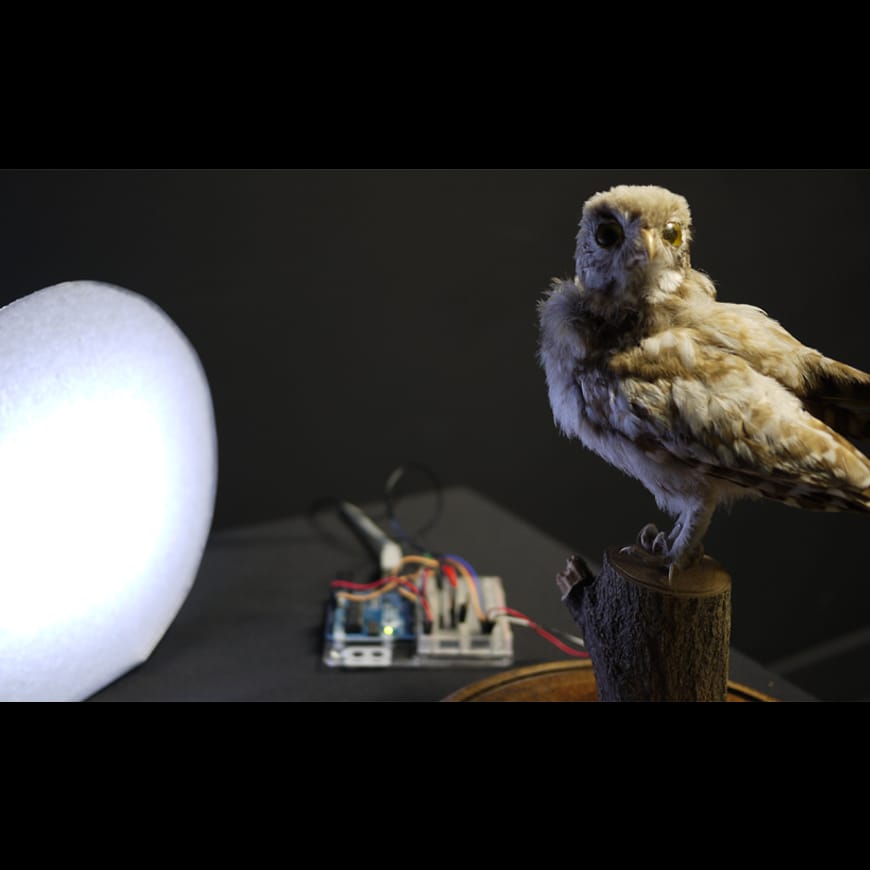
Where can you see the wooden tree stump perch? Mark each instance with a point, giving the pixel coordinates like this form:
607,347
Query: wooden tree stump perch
648,639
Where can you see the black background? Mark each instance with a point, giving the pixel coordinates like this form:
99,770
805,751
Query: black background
352,320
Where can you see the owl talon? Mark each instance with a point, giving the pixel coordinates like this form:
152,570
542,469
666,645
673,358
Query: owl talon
647,537
660,544
652,541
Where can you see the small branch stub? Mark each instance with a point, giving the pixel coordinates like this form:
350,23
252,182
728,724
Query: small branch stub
650,639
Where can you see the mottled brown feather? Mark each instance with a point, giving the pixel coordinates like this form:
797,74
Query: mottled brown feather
839,395
738,436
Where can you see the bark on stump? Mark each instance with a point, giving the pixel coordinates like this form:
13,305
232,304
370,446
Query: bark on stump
648,639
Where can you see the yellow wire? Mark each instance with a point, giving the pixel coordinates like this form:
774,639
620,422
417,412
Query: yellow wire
434,563
478,607
420,560
426,563
367,596
406,593
416,598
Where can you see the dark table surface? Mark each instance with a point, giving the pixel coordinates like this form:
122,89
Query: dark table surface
252,627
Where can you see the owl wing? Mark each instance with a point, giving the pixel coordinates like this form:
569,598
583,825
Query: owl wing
839,395
836,393
711,408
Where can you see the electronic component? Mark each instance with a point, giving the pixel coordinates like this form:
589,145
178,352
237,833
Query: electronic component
420,610
375,633
395,629
438,613
458,636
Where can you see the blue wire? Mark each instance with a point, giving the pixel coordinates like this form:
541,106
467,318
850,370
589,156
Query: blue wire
474,577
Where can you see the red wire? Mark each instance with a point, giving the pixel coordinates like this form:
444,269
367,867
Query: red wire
581,654
543,632
450,571
420,596
348,584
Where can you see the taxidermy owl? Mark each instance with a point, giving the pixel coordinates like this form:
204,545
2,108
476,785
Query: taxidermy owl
702,401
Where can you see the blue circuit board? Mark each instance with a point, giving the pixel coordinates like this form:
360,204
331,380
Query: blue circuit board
379,632
388,616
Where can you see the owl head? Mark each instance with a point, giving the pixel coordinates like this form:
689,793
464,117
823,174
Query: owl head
633,241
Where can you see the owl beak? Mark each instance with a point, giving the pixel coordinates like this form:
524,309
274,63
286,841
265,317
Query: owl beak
649,241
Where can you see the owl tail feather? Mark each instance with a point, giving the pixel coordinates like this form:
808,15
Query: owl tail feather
813,498
795,491
840,398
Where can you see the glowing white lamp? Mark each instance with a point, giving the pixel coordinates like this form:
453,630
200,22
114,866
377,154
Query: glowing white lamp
108,476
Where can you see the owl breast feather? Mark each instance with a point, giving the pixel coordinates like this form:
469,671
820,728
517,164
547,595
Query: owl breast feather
584,396
589,403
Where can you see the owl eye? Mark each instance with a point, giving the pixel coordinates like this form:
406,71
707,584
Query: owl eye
608,234
673,233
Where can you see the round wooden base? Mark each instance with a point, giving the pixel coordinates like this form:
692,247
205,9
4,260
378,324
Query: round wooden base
572,680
